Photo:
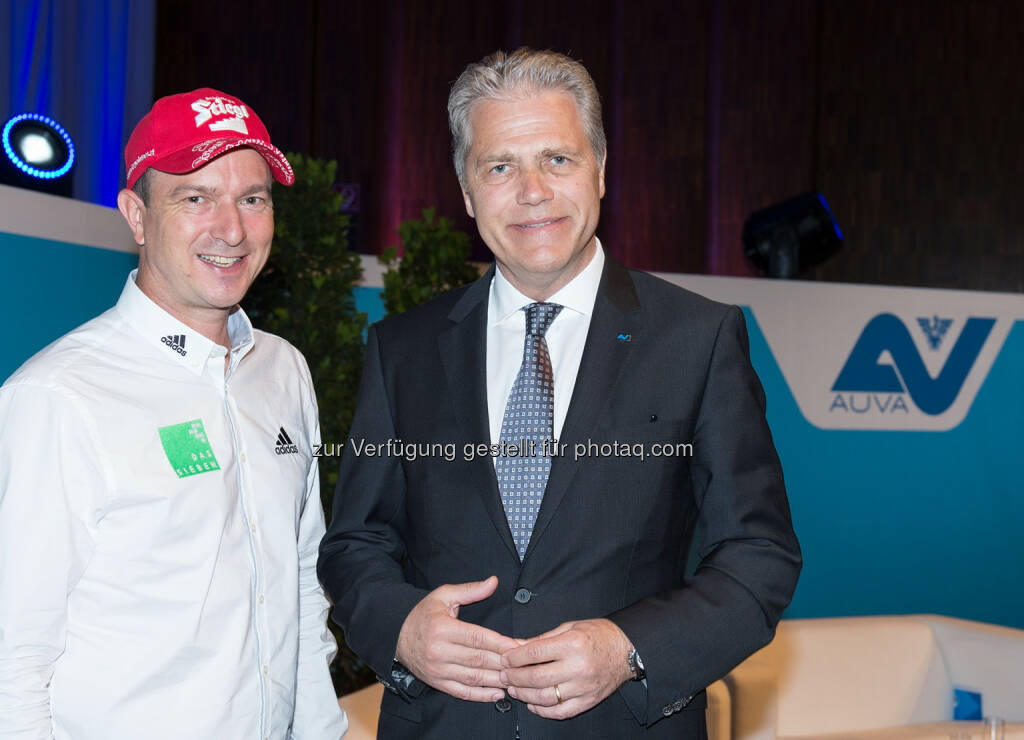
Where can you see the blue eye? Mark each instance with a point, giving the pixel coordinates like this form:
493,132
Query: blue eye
499,169
559,159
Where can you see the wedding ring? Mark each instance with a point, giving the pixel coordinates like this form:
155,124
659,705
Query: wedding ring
558,694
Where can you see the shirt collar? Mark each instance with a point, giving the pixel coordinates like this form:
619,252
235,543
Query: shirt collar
577,295
177,341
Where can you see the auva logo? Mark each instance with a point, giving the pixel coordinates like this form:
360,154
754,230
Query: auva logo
864,372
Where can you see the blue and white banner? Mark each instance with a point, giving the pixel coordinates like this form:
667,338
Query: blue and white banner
897,413
881,358
869,357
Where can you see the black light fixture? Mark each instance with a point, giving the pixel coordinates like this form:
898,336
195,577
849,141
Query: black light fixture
38,154
787,238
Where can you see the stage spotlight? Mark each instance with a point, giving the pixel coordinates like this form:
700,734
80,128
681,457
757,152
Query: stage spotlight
784,239
38,154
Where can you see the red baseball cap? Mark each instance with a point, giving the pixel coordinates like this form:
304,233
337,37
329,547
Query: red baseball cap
183,132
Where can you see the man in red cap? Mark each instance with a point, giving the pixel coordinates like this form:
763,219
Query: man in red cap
159,501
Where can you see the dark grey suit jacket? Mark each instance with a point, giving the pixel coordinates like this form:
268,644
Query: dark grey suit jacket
661,365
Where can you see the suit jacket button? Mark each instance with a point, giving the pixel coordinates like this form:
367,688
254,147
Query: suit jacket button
503,705
523,595
666,710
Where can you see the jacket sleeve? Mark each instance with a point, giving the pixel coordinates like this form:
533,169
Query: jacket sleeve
362,553
749,558
53,488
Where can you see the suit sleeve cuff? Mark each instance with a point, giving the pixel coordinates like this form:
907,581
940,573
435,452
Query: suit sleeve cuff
634,693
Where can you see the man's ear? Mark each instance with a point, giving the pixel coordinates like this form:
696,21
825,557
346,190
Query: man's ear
133,209
469,201
600,175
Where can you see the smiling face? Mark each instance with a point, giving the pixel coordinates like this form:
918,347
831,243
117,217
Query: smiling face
203,238
534,187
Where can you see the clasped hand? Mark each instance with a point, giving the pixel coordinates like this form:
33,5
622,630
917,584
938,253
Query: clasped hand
586,660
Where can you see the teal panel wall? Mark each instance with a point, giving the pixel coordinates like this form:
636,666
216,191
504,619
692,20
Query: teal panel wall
51,287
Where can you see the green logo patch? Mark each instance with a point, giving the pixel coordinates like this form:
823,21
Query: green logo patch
188,449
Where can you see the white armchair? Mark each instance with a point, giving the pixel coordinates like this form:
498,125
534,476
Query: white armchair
877,677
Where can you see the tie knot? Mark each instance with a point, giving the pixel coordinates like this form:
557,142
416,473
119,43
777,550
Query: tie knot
539,317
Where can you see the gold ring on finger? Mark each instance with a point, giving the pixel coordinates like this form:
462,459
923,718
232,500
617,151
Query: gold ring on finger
558,694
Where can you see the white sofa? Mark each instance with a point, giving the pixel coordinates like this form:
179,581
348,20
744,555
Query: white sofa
877,677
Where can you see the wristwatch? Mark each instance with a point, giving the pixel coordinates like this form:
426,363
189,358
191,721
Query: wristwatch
402,682
636,666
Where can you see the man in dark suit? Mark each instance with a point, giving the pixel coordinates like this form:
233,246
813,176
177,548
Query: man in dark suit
502,586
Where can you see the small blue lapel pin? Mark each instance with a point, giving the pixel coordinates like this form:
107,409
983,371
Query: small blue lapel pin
624,337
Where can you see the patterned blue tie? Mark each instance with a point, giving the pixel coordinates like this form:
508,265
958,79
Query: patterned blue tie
528,425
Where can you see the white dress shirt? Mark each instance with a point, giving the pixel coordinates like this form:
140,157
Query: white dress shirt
159,526
506,333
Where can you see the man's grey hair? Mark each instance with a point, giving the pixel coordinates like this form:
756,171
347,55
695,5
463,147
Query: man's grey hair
502,76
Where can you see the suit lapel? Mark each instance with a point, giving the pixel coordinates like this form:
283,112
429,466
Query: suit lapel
463,348
614,332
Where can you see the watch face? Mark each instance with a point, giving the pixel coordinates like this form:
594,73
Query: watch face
636,666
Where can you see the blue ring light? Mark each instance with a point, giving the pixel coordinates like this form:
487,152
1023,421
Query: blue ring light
47,174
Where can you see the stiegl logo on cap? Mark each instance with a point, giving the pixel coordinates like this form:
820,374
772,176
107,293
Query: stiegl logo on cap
209,108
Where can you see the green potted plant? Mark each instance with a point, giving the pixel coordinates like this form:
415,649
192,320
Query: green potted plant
434,261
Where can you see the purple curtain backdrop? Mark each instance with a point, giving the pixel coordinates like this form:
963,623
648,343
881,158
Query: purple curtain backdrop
906,115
